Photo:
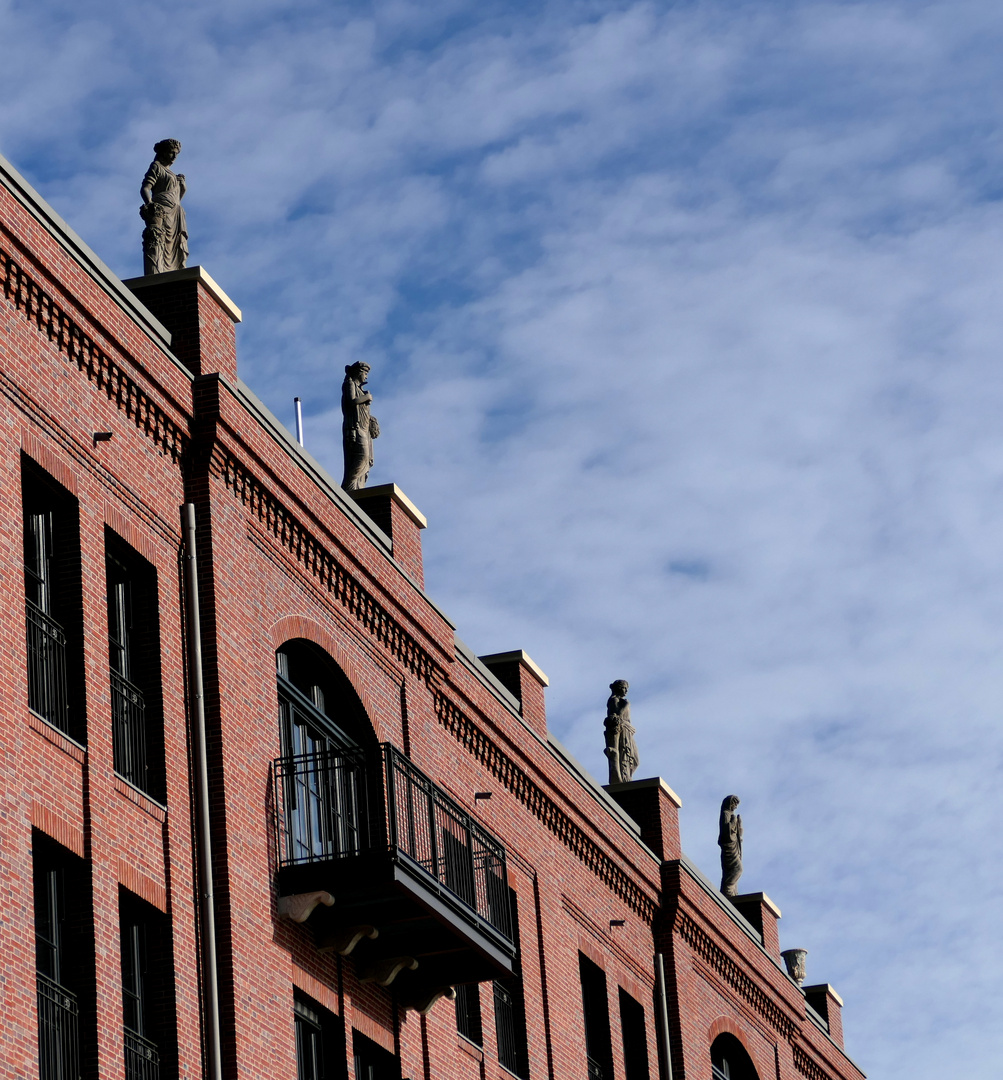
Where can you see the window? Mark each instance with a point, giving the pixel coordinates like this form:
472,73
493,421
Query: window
52,601
320,1041
59,972
635,1038
372,1062
468,1012
510,1009
134,662
148,1001
729,1060
318,711
595,1002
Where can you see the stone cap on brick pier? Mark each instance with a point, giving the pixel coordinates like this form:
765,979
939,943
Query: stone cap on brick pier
199,315
655,807
401,520
522,676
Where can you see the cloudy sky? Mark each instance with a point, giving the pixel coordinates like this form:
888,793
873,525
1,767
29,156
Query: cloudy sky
685,328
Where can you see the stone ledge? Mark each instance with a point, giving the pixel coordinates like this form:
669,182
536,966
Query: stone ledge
189,273
518,656
757,897
639,785
398,497
823,988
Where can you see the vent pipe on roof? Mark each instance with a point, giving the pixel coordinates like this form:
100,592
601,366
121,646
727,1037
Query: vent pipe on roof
299,420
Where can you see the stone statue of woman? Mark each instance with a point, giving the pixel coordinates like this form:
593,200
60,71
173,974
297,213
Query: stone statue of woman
359,427
165,238
621,749
730,841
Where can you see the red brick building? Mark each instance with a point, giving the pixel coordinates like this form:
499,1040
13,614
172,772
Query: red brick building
410,878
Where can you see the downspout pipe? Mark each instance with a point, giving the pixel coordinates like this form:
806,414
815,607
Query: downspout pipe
663,1017
207,907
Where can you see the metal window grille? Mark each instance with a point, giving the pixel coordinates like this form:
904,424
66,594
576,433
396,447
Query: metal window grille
46,642
58,1032
142,1061
468,1012
128,715
595,1069
511,1051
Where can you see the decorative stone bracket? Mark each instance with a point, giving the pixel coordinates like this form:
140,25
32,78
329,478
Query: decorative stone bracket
383,972
344,941
300,906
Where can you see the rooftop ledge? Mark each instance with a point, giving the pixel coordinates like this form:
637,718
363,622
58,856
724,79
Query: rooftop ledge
188,273
638,785
398,497
521,656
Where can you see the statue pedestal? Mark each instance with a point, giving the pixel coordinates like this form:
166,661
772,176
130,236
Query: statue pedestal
202,319
655,807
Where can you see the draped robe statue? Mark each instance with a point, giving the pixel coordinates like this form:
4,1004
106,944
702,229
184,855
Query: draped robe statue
621,749
165,238
729,839
359,427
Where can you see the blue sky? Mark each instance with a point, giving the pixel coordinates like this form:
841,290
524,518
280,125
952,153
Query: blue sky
685,329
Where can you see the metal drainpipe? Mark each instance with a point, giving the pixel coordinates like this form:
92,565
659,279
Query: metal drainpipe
663,1012
210,992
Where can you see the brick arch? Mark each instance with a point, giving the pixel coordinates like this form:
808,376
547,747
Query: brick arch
724,1025
300,626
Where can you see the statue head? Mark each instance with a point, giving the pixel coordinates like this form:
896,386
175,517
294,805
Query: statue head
167,150
730,802
358,371
620,687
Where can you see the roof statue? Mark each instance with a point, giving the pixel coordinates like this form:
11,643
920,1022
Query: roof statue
359,427
165,238
729,839
621,749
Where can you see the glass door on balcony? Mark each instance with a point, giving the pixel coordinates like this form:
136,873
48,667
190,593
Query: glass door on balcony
46,638
322,779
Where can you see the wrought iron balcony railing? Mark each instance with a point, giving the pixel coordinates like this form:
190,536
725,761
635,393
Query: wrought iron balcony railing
58,1032
142,1061
595,1069
47,693
128,728
343,804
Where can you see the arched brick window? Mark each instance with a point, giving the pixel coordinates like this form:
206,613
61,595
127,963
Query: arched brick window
729,1060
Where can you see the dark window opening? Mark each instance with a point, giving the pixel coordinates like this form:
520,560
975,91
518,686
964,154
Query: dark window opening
730,1061
320,1042
510,1002
53,602
148,1002
64,962
372,1062
468,1013
134,662
635,1038
595,1006
320,698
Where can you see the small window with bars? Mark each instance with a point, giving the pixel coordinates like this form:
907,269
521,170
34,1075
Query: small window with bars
53,601
134,668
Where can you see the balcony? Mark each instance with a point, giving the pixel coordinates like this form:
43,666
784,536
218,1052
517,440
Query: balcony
58,1038
397,854
46,642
